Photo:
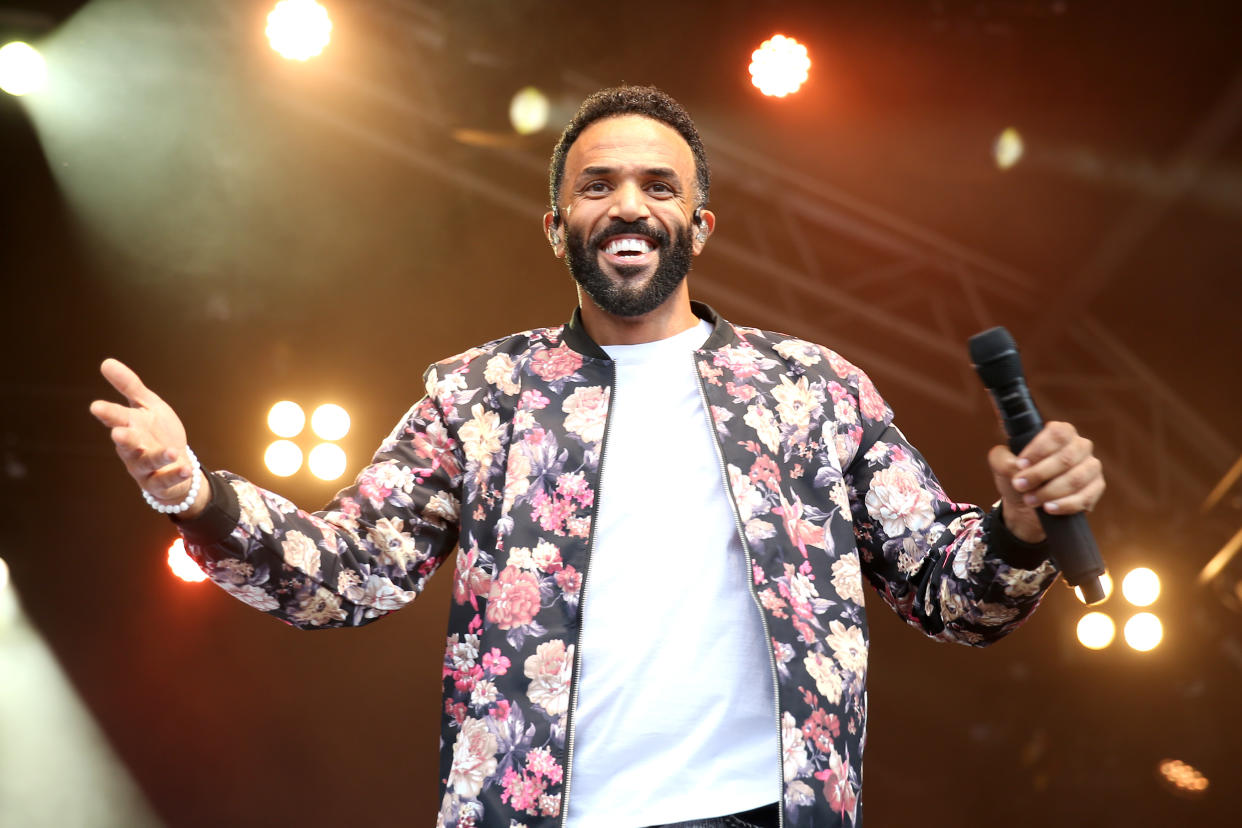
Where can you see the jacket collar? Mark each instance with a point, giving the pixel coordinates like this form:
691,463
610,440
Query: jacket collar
576,337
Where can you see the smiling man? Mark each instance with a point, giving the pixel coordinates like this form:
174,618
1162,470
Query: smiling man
664,523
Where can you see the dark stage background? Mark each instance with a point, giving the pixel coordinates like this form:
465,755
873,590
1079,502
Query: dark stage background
242,229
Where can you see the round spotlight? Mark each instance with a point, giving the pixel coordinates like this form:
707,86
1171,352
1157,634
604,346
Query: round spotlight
1143,632
1141,586
779,66
1007,150
1096,631
182,565
1105,581
330,422
298,29
528,111
283,458
327,461
22,69
286,419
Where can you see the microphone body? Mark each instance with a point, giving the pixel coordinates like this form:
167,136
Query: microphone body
995,357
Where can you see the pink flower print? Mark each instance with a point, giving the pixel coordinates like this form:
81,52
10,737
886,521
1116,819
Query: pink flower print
556,363
495,663
569,580
514,599
532,400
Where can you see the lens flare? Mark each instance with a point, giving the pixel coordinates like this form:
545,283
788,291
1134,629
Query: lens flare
22,69
779,66
286,419
283,458
528,111
1096,631
182,565
330,422
298,29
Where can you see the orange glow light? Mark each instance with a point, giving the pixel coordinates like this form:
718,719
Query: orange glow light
779,66
183,565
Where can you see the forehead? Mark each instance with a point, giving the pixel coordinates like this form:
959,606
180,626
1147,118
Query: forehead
630,141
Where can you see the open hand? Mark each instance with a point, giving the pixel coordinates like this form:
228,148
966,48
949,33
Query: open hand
149,437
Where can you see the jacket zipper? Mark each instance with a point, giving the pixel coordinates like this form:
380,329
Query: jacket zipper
750,585
577,671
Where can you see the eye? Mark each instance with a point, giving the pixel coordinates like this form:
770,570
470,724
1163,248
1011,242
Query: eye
660,188
596,188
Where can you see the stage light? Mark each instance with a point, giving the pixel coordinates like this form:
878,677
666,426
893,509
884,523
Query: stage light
1182,777
1008,148
8,604
1096,631
299,29
4,575
327,461
1144,631
330,422
779,66
283,458
22,69
1106,582
182,565
286,419
1141,586
528,111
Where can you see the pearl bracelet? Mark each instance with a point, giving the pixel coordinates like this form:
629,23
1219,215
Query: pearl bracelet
164,508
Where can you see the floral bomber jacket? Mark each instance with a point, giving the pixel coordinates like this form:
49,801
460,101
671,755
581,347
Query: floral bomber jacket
501,459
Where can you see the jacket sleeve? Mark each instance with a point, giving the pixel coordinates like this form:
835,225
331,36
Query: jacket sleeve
369,552
951,569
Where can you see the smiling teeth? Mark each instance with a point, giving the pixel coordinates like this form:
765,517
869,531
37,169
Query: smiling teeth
629,246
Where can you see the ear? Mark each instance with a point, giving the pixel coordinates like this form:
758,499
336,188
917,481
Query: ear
703,231
555,234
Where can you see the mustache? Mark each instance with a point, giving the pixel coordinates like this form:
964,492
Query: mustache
641,228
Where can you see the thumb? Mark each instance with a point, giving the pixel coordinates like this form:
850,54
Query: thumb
124,380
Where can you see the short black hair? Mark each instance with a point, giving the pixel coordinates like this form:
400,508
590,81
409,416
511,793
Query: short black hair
631,100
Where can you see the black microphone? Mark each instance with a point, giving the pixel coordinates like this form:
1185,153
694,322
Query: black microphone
995,357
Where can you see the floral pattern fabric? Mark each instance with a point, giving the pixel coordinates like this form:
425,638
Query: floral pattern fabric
501,460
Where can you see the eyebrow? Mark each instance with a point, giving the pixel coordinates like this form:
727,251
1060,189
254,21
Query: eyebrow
667,173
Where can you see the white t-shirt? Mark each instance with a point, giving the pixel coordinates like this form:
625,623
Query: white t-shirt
675,717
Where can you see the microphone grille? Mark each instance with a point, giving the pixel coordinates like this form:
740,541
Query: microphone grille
995,357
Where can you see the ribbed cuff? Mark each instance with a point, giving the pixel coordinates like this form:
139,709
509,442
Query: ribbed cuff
1011,549
218,520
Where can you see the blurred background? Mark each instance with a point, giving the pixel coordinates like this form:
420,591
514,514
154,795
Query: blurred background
244,227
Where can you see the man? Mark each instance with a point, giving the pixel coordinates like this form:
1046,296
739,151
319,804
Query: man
720,491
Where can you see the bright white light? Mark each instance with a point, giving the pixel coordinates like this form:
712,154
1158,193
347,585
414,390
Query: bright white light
283,458
1096,630
1008,148
528,111
286,419
330,422
1141,586
327,461
22,69
1144,631
299,29
4,575
182,565
1106,581
779,66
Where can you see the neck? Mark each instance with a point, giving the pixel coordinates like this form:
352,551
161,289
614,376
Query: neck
669,319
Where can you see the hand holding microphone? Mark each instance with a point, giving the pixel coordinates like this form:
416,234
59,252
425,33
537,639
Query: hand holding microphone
1051,477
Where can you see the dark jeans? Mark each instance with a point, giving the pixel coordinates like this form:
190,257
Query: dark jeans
765,817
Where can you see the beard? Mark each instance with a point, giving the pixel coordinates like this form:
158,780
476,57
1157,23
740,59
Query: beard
616,297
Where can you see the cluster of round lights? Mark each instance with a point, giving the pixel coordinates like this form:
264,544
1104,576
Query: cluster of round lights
1143,631
287,420
1183,778
779,66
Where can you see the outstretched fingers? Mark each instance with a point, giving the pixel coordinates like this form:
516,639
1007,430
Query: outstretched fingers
124,380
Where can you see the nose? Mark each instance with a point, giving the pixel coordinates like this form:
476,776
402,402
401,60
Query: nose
629,203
